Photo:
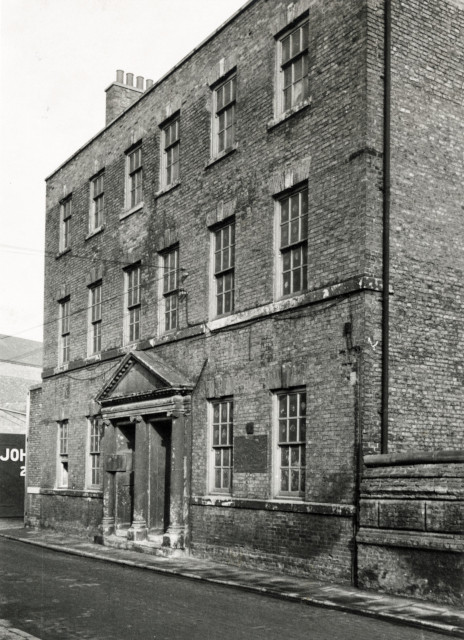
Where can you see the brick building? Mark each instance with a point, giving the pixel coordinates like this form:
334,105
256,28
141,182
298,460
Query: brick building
20,367
225,373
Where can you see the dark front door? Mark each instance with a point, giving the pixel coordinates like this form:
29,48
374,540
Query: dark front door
159,476
124,485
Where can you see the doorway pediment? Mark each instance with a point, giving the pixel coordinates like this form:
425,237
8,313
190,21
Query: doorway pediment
142,375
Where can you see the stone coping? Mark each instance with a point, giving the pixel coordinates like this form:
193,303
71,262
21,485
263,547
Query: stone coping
414,457
318,508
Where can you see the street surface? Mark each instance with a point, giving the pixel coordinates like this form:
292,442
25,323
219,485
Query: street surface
53,595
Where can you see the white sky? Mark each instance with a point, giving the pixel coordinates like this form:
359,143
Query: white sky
57,58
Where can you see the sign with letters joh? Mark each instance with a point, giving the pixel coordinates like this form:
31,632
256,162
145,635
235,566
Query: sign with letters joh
12,474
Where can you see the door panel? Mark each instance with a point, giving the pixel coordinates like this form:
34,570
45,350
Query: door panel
159,476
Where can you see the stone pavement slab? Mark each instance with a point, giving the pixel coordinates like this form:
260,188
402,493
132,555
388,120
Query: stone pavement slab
435,617
8,632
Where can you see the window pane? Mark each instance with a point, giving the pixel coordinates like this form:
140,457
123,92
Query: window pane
282,406
284,480
297,92
284,208
292,431
283,431
298,69
295,457
285,49
287,77
295,481
284,456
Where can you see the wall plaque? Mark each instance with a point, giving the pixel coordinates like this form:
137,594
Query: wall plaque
250,454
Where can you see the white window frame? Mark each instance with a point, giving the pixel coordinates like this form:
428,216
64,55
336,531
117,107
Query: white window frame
64,330
132,304
95,311
283,63
221,446
97,202
281,249
168,295
170,146
220,269
280,462
94,458
134,177
229,110
65,224
62,471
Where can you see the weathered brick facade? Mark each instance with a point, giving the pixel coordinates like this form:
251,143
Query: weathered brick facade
324,340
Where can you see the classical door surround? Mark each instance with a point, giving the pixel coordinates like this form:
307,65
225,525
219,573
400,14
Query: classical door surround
143,391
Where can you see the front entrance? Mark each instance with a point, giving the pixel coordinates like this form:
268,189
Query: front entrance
144,408
142,476
159,477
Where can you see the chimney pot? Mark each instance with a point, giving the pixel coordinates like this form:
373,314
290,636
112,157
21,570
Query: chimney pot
140,80
130,79
149,83
120,76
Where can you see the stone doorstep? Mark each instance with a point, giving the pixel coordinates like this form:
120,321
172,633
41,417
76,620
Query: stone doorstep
152,546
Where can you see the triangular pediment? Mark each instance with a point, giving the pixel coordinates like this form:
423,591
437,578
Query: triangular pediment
142,375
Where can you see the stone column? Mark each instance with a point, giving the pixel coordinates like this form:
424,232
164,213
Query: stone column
174,536
138,530
108,447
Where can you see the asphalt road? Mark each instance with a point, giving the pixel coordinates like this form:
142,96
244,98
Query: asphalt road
52,595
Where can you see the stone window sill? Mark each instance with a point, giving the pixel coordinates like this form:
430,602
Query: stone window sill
129,212
167,189
94,232
288,114
63,252
220,156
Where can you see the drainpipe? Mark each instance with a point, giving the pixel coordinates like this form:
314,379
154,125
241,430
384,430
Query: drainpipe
386,228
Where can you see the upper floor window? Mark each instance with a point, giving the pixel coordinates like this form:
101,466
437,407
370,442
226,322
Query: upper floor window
171,289
293,250
224,116
171,149
95,318
65,224
97,202
64,331
222,445
133,304
224,263
292,81
134,193
290,468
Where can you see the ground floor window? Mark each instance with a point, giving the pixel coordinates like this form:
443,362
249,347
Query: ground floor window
62,475
291,443
222,414
94,453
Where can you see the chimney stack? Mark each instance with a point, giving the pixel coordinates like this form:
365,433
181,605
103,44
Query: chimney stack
120,95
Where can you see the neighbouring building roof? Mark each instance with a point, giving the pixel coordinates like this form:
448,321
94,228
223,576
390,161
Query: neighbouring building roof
21,350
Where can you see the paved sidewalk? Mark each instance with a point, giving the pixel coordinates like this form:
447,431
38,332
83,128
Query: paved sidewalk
7,632
407,611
